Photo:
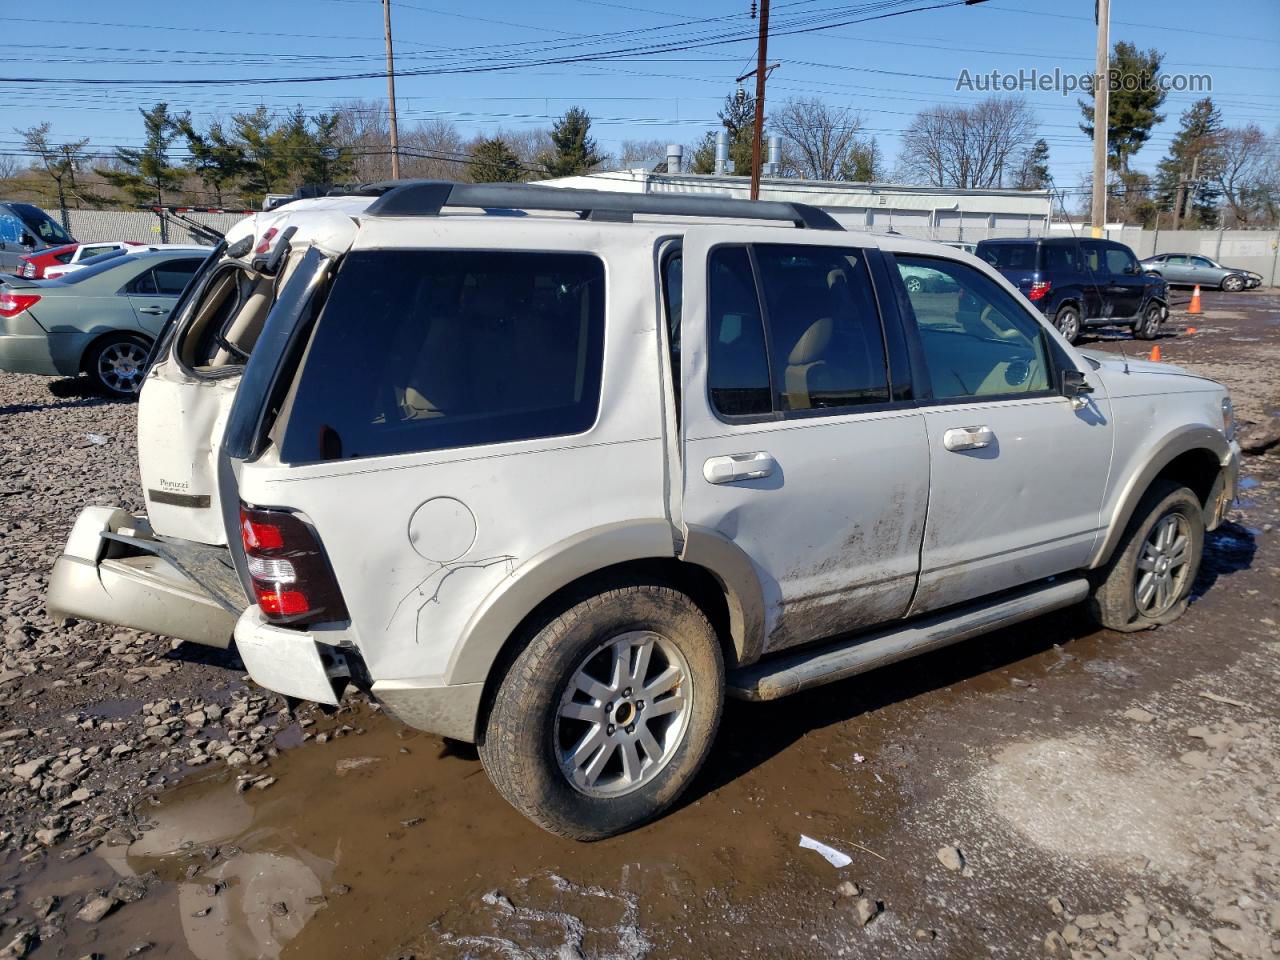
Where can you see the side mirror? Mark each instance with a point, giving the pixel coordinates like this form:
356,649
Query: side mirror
27,240
1132,269
1075,386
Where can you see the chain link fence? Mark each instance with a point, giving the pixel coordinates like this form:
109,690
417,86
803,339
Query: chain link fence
146,226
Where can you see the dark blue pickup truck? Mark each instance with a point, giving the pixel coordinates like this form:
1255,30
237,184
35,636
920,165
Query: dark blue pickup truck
1080,283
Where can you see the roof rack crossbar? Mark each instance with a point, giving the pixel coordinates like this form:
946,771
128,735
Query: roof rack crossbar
426,198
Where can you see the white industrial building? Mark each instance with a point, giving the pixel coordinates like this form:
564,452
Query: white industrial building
934,213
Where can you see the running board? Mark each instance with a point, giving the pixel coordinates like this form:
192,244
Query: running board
785,674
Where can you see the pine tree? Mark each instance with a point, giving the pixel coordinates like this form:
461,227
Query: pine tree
1195,148
575,151
217,160
493,162
148,173
1134,99
1033,171
738,117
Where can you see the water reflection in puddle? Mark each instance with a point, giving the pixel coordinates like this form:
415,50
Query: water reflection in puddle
412,846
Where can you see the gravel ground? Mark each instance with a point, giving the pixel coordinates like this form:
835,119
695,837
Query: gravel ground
1048,791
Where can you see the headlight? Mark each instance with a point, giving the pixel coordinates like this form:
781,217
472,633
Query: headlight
1228,419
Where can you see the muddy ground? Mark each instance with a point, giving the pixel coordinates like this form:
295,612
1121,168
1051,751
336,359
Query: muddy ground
1051,790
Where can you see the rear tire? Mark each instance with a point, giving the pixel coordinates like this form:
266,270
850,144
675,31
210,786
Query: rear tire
1232,283
1147,327
1149,578
117,364
590,763
1067,320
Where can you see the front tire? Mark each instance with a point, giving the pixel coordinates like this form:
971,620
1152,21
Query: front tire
117,364
1232,283
1149,578
1148,325
608,713
1067,320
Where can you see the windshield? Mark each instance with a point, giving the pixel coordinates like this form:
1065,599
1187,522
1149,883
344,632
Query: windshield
41,224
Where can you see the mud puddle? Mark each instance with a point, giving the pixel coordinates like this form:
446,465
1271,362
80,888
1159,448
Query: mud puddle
394,840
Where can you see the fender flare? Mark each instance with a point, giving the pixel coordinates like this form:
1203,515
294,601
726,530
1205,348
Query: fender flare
1184,439
559,565
507,605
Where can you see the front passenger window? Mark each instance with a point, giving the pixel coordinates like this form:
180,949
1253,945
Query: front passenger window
977,341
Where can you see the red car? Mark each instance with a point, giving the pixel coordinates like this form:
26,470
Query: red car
33,265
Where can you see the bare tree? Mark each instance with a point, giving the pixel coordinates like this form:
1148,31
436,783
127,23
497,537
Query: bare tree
433,150
8,167
637,153
60,162
822,139
968,147
1245,172
364,131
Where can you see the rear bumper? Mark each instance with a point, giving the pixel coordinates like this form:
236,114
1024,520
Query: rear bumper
119,581
298,663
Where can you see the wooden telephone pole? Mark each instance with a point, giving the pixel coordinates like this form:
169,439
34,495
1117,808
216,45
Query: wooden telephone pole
757,145
391,92
1101,117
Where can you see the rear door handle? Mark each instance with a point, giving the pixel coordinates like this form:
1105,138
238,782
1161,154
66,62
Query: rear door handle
738,466
153,311
968,438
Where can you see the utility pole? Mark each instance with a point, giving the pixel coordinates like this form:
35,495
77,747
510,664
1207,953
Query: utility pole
391,92
1192,186
757,138
1101,116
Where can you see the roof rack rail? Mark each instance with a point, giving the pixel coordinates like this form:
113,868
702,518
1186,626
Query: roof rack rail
426,198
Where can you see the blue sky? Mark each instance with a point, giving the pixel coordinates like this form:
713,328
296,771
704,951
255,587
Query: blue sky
886,70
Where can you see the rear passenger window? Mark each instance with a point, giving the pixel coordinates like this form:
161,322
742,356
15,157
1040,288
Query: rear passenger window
425,350
824,329
738,364
1061,258
977,340
817,345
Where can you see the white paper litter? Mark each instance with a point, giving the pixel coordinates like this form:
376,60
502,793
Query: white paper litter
96,438
832,856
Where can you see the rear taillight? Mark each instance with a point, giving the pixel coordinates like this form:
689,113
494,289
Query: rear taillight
1039,289
12,304
292,580
28,268
264,245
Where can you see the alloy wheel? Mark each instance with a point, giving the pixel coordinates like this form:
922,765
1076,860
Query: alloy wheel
1069,325
1163,565
120,366
623,714
1233,284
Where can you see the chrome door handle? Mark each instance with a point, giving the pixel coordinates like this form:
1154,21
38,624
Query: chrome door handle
153,311
968,438
738,466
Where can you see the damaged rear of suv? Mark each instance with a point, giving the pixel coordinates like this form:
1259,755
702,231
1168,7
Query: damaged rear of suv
553,471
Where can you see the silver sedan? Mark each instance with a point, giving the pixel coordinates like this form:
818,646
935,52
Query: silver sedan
1190,269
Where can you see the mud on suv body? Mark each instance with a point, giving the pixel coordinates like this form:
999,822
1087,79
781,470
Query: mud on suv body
557,482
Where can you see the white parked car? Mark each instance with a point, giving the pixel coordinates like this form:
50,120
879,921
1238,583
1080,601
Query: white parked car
556,483
91,254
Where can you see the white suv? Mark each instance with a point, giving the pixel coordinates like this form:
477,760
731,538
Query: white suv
553,471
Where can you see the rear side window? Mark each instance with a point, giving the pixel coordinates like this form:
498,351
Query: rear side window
171,278
817,345
421,350
1009,256
1061,258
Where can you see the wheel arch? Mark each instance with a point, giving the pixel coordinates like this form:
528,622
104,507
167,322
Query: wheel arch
711,568
1197,457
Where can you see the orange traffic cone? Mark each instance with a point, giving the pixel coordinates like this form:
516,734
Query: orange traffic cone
1155,353
1195,300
